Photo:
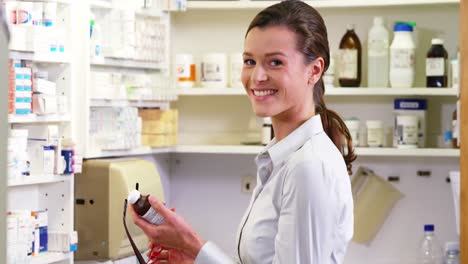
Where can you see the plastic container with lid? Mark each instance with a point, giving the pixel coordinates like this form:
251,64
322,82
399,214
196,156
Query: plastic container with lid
185,70
353,125
416,107
213,70
236,63
402,56
378,54
436,64
407,129
375,133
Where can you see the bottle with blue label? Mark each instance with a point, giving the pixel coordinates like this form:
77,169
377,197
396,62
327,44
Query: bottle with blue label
415,107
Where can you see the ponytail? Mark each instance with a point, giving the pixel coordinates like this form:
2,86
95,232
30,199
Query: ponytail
334,126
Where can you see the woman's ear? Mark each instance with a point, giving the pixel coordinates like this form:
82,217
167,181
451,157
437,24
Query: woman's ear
316,68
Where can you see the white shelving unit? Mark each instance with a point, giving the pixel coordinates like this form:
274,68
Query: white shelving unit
339,91
38,57
33,118
37,179
50,257
132,103
342,4
127,63
53,193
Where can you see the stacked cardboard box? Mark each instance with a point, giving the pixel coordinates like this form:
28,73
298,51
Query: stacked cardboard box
159,127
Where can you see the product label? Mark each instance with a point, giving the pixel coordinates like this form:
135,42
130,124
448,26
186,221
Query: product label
211,72
153,217
378,48
183,70
402,58
407,135
435,67
374,137
348,59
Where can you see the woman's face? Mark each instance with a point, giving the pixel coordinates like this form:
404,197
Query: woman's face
275,77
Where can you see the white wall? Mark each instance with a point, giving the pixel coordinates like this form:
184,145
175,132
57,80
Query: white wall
206,190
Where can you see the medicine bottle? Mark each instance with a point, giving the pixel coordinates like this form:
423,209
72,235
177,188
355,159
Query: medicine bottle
349,70
143,207
436,64
267,131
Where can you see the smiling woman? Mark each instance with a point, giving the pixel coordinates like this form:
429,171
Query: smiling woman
301,210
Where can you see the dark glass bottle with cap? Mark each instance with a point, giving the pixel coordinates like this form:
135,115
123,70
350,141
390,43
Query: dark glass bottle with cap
349,70
436,64
143,207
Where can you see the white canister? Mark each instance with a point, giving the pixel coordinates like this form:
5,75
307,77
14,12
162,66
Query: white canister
375,133
50,14
213,70
353,127
235,70
185,71
402,57
407,129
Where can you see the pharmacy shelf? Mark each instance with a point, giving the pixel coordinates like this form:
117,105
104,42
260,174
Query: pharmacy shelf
317,4
127,63
339,91
383,152
130,103
50,257
64,2
199,91
364,91
36,179
218,149
32,118
38,57
131,152
149,12
101,4
418,152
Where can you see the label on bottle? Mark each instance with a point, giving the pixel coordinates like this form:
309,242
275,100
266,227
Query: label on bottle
153,217
402,58
377,48
211,72
348,67
435,67
183,70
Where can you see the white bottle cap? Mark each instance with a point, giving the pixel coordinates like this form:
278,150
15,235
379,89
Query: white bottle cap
267,120
378,20
437,41
350,27
133,196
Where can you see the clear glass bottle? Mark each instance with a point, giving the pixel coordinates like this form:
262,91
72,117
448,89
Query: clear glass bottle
452,257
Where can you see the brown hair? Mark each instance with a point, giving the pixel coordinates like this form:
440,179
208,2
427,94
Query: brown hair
312,42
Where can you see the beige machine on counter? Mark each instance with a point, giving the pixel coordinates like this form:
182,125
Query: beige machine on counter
100,192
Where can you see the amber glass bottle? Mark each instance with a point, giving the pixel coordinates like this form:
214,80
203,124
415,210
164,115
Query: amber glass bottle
349,69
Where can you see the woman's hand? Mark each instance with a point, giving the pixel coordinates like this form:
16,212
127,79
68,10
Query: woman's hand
171,255
175,233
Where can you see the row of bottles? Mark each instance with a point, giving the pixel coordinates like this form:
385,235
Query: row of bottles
389,64
431,250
